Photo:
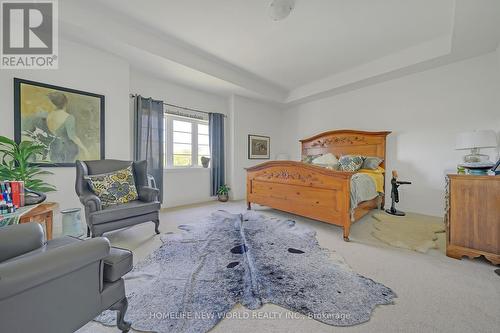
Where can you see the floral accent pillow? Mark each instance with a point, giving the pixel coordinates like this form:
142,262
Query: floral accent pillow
350,163
117,187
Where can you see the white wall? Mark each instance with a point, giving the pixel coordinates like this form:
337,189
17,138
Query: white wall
248,116
180,186
424,111
498,100
498,96
84,69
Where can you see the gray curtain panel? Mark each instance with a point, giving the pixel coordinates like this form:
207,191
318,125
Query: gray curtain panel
216,130
148,135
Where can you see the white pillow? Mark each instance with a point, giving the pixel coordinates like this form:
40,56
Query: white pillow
327,159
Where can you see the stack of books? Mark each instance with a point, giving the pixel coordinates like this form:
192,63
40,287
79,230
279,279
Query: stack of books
11,196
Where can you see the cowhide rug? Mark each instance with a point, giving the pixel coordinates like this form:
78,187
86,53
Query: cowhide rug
199,275
413,232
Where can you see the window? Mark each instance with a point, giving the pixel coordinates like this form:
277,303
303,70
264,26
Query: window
186,141
203,142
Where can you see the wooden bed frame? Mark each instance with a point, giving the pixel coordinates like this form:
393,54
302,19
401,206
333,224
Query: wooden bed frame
312,191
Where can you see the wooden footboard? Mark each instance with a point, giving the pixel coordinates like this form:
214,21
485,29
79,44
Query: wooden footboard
302,189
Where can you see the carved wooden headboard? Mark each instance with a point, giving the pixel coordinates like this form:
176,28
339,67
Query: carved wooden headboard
346,142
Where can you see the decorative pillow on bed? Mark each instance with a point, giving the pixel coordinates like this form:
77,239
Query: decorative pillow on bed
350,163
309,158
113,188
327,161
371,162
330,166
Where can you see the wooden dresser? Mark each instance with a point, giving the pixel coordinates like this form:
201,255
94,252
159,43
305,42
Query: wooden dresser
473,217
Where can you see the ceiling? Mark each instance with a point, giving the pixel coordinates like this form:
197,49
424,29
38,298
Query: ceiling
319,38
323,47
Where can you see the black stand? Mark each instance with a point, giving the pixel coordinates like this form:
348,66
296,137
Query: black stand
394,211
395,195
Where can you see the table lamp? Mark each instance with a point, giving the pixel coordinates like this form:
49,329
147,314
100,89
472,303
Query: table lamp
475,140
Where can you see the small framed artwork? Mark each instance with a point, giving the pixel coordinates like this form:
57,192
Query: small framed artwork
258,147
68,123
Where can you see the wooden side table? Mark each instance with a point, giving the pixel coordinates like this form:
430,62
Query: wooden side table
43,213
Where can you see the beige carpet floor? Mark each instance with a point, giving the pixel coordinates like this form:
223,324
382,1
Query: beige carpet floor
435,293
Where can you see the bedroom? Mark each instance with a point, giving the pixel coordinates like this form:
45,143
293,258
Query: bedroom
428,72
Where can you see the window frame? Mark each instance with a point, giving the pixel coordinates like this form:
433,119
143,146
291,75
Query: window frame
169,141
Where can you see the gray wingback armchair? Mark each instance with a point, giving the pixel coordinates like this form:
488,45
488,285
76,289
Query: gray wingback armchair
61,285
103,219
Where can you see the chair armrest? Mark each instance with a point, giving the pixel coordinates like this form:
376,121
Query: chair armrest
19,239
91,202
19,275
148,194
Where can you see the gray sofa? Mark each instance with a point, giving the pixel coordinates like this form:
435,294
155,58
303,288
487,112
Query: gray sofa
61,285
99,219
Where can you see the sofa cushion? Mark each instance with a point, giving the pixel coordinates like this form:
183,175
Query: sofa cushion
123,211
49,245
114,188
118,263
17,239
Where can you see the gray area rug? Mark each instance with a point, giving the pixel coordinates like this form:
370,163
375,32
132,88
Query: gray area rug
199,275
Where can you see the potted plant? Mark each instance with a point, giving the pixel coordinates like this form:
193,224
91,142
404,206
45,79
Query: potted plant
223,193
15,165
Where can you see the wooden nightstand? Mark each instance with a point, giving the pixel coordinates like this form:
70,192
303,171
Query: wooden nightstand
473,217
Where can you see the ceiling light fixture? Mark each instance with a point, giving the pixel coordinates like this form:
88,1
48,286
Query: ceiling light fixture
281,9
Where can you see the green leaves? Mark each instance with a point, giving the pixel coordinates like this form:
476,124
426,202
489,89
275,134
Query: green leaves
15,164
223,190
7,141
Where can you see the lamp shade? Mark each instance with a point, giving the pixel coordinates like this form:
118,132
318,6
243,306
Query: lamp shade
476,139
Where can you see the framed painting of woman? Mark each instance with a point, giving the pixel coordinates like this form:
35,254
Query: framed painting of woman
69,123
